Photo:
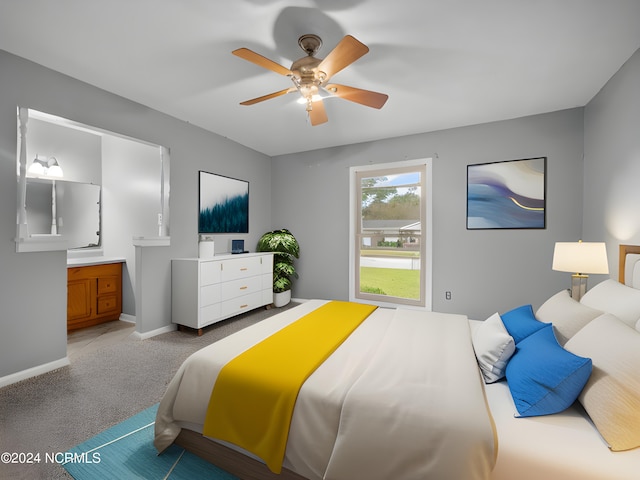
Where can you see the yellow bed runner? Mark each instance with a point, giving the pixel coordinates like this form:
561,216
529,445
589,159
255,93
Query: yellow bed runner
252,401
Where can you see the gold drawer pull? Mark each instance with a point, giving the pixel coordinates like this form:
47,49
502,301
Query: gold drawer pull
244,288
244,306
244,269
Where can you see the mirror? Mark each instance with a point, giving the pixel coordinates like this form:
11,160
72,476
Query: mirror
65,172
68,208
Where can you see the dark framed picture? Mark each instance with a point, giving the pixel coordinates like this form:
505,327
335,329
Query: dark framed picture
223,204
508,194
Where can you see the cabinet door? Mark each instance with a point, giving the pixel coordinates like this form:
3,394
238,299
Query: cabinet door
78,299
210,273
267,263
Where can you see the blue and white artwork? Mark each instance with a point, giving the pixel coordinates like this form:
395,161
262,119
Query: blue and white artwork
224,204
507,194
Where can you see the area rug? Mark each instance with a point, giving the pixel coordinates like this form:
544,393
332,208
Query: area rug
126,451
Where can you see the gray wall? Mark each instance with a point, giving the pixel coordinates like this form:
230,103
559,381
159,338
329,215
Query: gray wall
34,328
612,162
486,270
131,203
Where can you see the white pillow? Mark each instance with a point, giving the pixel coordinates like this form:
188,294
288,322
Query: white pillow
494,347
566,314
611,396
616,298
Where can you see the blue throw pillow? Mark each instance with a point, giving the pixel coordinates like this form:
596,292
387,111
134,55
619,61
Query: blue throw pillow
521,322
543,377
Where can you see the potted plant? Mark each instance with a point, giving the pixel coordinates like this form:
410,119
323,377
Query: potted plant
285,249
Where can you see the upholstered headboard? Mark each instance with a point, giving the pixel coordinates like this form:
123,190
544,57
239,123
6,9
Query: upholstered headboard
629,268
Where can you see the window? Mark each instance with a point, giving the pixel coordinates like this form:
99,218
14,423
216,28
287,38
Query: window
390,235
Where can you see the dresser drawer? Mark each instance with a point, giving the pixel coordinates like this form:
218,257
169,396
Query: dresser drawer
244,286
267,296
267,281
107,304
241,304
209,314
209,294
241,267
107,285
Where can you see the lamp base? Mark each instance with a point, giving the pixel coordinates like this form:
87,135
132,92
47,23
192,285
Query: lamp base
578,286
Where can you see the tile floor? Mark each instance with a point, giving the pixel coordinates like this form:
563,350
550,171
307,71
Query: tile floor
87,340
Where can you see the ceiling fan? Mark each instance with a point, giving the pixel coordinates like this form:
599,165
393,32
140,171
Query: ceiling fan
310,75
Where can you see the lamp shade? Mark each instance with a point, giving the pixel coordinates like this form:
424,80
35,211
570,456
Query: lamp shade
55,170
38,167
580,257
46,167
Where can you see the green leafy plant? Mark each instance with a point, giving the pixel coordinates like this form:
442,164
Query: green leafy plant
285,250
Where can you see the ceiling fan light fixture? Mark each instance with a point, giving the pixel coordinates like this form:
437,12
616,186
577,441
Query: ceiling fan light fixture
308,90
314,98
310,75
321,94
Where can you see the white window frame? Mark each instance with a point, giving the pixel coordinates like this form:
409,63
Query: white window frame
427,231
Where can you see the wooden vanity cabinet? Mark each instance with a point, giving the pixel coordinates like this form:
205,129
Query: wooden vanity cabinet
94,294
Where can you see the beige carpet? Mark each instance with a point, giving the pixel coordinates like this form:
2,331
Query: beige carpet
56,411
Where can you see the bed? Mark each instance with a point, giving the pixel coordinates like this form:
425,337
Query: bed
346,423
568,445
371,410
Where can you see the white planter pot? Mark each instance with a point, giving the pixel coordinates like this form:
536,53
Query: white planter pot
282,298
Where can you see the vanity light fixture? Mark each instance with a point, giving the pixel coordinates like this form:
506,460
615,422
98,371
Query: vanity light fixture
46,167
581,257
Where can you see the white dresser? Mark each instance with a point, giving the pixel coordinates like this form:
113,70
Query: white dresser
207,290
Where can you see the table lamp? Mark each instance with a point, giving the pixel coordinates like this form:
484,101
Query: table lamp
582,258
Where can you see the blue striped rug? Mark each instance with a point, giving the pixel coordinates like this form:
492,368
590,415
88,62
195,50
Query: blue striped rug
126,451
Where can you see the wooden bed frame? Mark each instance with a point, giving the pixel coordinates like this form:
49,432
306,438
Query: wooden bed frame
236,463
624,251
247,468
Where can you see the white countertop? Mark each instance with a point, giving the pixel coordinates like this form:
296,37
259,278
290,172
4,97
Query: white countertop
98,260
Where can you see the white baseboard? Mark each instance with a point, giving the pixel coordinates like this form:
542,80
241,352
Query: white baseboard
33,372
128,318
153,333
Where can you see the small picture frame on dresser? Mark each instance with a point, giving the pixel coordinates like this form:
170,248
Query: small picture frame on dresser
237,246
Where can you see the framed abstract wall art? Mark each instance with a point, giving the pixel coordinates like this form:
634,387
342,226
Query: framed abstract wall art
223,204
508,194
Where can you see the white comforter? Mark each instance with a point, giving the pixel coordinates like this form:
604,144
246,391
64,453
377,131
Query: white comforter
401,398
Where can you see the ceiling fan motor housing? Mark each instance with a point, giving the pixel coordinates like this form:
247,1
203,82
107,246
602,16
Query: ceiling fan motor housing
306,68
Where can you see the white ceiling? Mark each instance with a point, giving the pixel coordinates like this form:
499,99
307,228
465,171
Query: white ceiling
443,63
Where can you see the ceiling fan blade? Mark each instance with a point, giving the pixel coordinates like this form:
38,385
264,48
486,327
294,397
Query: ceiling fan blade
269,96
357,95
317,114
261,61
346,52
